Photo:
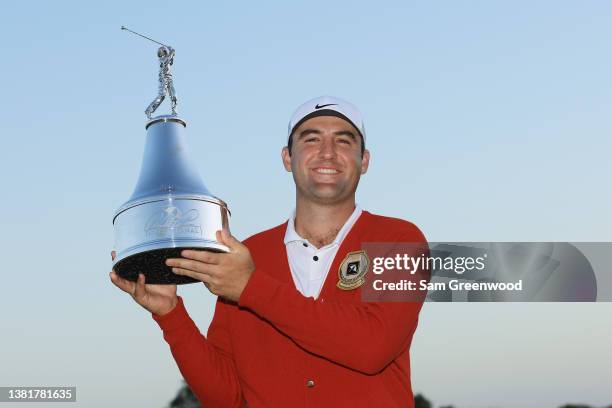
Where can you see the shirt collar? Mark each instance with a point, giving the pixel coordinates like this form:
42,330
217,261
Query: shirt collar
291,234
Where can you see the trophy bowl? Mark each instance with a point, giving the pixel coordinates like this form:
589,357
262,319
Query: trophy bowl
170,210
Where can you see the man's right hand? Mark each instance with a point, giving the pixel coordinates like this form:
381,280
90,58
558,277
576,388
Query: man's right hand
157,299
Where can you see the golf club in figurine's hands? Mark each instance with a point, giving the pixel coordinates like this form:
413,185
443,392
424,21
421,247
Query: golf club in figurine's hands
170,209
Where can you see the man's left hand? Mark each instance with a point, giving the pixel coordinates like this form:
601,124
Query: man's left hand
224,274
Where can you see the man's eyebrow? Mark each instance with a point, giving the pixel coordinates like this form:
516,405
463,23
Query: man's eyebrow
309,131
346,133
306,132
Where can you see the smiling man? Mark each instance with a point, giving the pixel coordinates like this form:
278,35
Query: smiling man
290,328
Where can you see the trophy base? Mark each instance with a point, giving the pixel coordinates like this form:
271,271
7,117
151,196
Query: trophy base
153,265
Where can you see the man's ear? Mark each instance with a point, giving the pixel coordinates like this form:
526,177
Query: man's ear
365,161
286,158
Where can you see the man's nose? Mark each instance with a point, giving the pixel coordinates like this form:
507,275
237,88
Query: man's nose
328,149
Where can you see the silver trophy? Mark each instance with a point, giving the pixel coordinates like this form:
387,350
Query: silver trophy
171,209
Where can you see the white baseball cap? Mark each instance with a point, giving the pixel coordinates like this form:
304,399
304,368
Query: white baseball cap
327,106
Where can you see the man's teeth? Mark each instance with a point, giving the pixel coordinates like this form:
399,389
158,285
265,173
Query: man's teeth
326,171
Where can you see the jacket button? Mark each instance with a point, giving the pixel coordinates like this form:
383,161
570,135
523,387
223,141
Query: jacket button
310,383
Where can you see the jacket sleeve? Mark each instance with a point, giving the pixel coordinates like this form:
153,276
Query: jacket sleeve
366,336
206,364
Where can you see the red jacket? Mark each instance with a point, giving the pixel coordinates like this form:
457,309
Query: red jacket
277,348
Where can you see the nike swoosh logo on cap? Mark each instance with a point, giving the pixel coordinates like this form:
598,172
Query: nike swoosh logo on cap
317,106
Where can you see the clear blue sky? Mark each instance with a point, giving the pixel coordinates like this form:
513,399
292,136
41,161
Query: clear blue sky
486,121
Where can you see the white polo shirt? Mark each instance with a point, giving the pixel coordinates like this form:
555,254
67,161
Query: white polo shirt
309,265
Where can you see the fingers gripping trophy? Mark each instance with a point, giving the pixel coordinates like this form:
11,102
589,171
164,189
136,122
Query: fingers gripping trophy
170,209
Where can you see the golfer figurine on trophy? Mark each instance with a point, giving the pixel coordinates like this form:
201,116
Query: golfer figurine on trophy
170,209
166,86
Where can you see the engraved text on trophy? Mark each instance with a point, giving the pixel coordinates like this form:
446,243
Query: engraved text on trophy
171,222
